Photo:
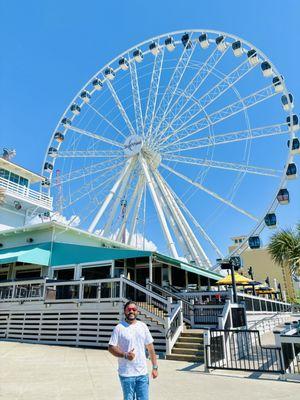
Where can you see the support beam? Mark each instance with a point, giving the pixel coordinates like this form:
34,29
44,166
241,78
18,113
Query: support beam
109,197
159,210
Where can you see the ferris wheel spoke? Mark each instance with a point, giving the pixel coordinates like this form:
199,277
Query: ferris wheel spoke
95,136
193,86
225,138
189,239
171,89
195,222
210,192
153,91
136,98
118,196
229,166
87,171
129,208
213,94
120,107
222,114
110,195
89,153
106,120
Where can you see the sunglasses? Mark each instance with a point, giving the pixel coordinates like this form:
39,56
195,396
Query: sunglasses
131,309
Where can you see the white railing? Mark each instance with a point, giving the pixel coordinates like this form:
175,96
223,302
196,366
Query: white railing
25,193
288,339
268,323
174,326
258,304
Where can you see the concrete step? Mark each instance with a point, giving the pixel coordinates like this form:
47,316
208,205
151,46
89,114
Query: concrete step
183,357
192,352
190,339
188,346
192,334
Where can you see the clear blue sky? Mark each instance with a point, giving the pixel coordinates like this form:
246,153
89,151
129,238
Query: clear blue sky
50,48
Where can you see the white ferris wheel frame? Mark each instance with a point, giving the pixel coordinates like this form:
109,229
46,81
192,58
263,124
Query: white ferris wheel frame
165,200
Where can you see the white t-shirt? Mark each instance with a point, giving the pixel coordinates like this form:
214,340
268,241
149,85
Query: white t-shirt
132,336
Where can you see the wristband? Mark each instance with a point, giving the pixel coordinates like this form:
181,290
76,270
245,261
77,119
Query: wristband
125,356
155,367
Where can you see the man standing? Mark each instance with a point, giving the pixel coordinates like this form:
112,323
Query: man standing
128,342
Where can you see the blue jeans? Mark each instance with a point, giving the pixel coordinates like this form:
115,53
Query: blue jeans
135,387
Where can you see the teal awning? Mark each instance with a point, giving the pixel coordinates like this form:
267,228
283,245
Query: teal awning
200,271
28,254
66,253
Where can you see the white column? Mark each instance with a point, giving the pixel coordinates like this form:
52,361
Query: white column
109,197
159,210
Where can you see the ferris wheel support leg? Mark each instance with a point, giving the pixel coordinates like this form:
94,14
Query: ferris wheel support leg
108,198
173,222
135,215
187,233
159,210
128,209
117,201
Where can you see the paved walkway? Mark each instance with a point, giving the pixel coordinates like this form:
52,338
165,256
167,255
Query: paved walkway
40,372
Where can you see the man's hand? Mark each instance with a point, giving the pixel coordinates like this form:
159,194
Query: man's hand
154,373
130,355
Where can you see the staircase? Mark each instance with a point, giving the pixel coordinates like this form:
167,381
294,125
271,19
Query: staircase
189,347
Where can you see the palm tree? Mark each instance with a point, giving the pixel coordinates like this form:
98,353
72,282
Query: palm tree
284,248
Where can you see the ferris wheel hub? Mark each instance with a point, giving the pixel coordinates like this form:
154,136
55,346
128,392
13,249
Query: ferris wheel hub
133,145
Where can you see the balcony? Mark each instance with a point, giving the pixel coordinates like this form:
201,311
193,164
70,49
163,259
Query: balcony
24,193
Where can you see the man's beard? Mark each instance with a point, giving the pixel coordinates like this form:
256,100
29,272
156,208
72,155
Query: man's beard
130,317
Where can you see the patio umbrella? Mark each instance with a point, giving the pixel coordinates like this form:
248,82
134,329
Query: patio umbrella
239,280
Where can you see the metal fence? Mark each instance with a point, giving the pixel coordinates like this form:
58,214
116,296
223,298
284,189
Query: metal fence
241,350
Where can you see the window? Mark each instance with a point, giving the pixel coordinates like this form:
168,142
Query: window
4,173
23,181
14,177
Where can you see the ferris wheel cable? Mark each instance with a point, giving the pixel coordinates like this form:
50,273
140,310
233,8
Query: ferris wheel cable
213,94
86,171
196,223
95,136
213,194
117,197
190,234
195,84
225,138
110,195
222,114
136,99
153,90
250,169
173,84
121,108
187,249
106,120
134,218
129,207
89,153
159,210
191,243
85,190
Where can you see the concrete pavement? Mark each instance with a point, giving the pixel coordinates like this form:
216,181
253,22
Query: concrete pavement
31,372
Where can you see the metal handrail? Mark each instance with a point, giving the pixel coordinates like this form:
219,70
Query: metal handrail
171,294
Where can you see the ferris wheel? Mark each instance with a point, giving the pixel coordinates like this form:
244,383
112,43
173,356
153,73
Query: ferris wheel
185,139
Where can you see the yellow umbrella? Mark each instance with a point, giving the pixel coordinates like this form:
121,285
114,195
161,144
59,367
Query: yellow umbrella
239,280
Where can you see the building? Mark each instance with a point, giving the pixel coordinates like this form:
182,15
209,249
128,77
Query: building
58,251
18,201
262,265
